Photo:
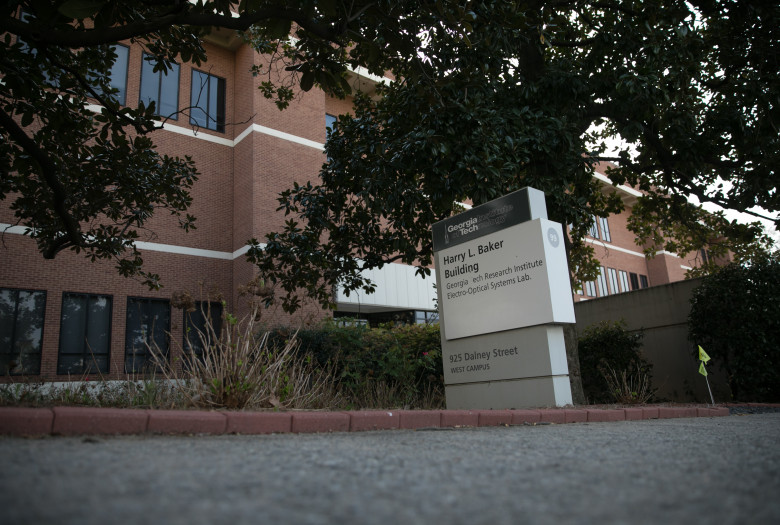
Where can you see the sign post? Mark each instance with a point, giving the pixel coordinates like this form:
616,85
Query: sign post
503,289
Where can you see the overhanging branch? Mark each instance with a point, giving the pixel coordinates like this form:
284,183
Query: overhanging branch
58,192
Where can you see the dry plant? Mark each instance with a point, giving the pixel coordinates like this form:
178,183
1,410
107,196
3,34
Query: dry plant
239,368
383,395
630,388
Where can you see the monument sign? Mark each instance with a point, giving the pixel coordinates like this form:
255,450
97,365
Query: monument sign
503,289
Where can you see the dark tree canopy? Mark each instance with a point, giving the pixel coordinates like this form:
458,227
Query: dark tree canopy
513,100
55,64
735,317
490,96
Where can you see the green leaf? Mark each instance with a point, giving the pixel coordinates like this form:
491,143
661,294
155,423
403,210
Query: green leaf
307,80
81,9
278,28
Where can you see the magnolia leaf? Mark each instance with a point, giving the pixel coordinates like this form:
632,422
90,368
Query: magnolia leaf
81,9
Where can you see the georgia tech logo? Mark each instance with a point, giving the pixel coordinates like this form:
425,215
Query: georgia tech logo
553,237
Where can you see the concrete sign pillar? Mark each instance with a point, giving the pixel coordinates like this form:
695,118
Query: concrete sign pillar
503,288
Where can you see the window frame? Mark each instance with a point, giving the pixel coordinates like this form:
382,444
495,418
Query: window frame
221,101
634,280
11,348
613,280
594,228
121,96
146,362
602,282
623,278
160,75
605,234
86,354
329,121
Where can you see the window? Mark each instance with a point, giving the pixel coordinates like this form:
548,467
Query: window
329,121
623,281
643,281
43,64
613,280
26,16
594,228
425,317
605,229
602,282
590,289
21,331
208,101
85,334
118,73
634,281
160,87
148,323
195,325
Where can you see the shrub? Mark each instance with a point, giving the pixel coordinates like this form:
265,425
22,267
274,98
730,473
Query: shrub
612,366
385,367
735,317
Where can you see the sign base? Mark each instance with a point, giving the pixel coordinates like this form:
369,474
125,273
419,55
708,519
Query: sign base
534,392
533,371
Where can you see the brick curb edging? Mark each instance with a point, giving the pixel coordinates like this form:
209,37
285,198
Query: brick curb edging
17,421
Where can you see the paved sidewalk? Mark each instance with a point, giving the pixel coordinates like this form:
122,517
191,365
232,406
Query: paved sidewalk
702,470
107,421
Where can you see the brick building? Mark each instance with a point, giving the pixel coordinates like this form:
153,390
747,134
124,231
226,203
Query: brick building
65,317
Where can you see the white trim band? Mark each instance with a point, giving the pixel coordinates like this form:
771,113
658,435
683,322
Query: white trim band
616,248
256,128
156,246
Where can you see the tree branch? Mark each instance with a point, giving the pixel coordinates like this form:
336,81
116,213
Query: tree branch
109,35
59,194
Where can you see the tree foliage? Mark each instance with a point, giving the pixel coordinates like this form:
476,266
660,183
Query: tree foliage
80,170
525,95
735,317
489,96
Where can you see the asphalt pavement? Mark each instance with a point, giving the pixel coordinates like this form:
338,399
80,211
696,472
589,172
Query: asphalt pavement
717,470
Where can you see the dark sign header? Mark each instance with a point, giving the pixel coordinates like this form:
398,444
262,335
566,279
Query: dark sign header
519,206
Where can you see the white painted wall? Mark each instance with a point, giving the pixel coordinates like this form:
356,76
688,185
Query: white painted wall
397,288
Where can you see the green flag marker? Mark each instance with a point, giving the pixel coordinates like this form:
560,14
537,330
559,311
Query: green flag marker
702,370
703,356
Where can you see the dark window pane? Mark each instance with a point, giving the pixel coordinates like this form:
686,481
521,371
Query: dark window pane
119,72
196,331
150,84
207,99
73,324
198,113
169,93
85,334
643,280
160,87
99,327
7,317
634,281
21,331
148,322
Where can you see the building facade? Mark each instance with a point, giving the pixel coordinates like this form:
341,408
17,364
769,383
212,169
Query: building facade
68,317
